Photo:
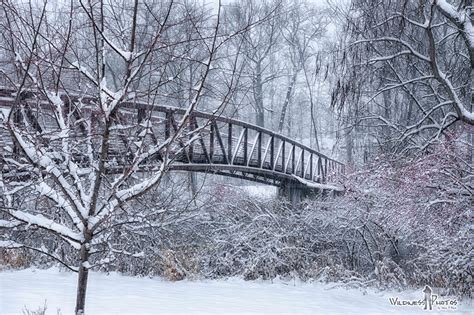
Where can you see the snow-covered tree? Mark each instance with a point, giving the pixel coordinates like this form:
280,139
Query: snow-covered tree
80,139
407,71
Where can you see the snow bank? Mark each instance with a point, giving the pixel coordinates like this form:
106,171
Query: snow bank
263,192
115,294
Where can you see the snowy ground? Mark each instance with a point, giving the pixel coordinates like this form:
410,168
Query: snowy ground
115,294
262,192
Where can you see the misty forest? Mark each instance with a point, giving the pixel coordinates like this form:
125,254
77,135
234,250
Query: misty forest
209,156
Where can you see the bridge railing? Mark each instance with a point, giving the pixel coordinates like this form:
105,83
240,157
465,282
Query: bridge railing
220,141
228,141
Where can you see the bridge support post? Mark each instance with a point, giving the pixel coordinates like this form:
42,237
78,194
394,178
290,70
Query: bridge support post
295,192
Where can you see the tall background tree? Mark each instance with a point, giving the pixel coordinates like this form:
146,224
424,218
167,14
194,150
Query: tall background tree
407,72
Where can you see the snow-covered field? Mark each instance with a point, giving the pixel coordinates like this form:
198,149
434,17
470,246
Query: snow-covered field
116,294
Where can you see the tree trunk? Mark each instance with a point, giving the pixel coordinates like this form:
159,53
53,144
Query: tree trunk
387,113
349,147
82,277
260,118
289,92
314,125
258,88
192,184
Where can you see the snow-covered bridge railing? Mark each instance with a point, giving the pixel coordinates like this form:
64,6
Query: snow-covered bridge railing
211,143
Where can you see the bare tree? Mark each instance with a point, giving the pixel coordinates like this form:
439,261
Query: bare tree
257,47
301,28
79,148
408,66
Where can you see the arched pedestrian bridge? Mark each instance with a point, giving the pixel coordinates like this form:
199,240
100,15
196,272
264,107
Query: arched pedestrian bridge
211,143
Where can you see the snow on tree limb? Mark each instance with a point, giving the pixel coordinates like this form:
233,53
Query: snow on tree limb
46,190
46,163
460,18
10,244
41,221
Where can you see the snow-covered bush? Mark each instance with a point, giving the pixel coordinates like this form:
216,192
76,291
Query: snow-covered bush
408,222
397,224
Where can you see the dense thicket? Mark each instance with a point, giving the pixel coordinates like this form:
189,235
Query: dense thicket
398,224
